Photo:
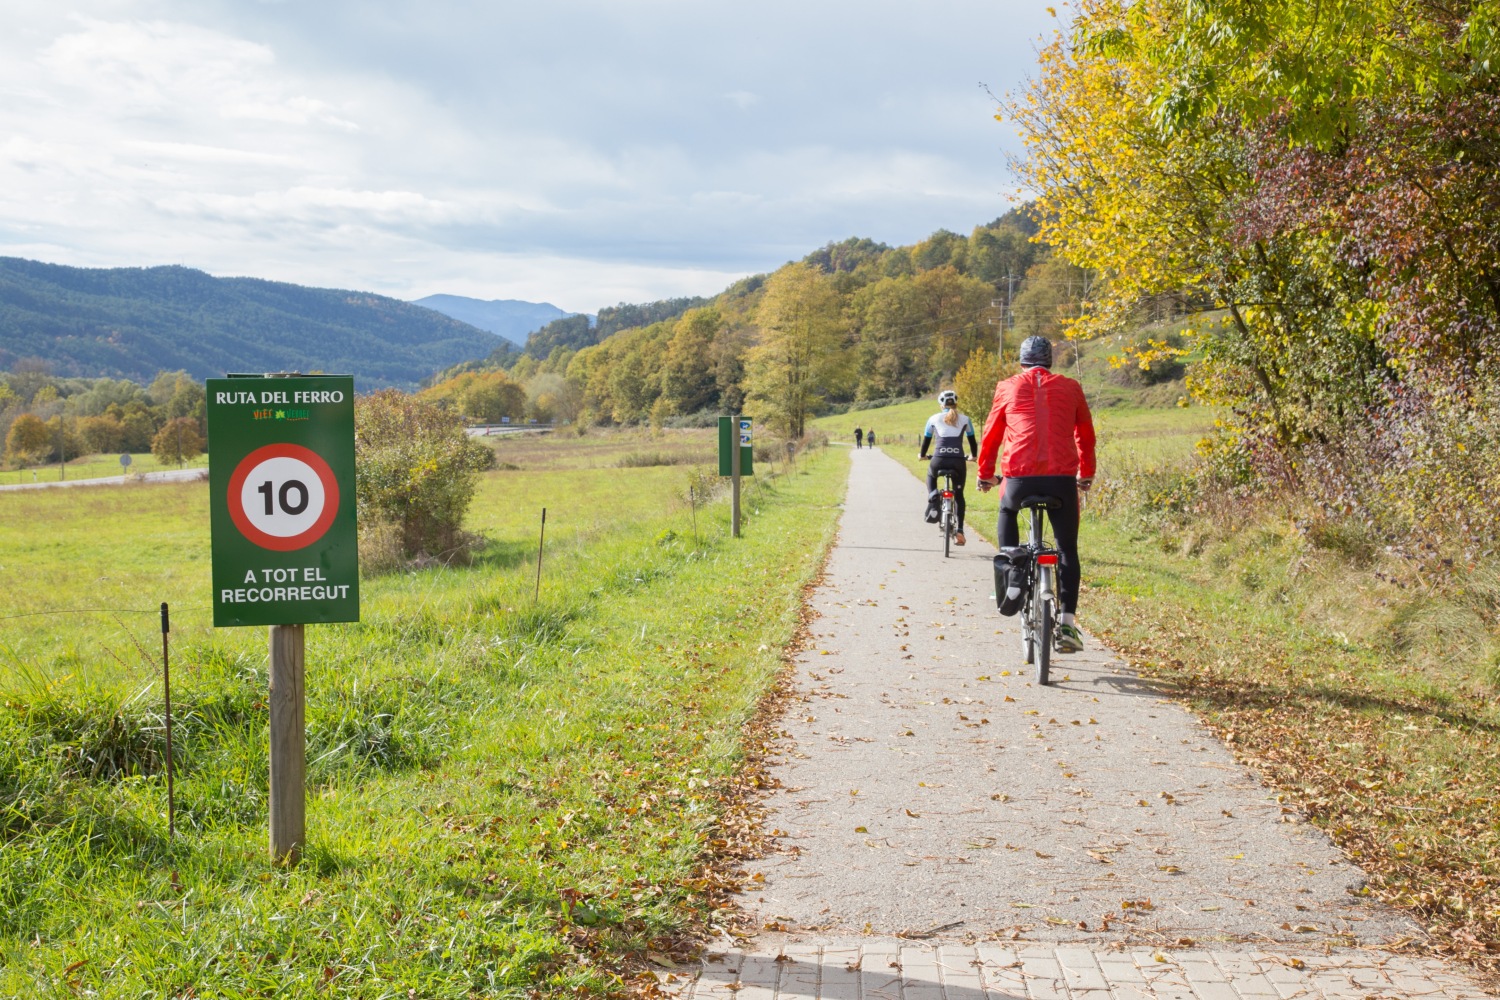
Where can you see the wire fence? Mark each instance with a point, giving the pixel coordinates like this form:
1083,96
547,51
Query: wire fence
164,611
94,611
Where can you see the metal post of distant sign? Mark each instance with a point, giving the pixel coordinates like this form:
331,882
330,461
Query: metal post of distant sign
540,544
743,427
736,458
734,506
285,545
166,683
693,503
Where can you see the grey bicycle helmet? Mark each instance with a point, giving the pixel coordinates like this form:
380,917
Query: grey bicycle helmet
947,398
1036,352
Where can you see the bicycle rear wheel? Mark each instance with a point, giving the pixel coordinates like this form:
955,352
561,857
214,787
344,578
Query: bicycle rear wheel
1043,641
947,527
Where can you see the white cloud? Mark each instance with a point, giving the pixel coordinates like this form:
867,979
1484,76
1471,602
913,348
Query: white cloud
596,151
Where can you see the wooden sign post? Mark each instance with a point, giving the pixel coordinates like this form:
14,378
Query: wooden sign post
288,799
285,545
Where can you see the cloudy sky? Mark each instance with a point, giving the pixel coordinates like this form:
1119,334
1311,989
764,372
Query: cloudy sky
582,152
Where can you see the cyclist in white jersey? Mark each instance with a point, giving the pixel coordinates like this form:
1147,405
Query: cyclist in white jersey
944,434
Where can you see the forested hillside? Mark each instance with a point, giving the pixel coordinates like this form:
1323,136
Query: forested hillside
134,322
852,323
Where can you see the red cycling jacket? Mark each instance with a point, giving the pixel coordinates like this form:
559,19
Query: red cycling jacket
1043,421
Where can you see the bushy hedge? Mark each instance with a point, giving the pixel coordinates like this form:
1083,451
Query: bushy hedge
416,472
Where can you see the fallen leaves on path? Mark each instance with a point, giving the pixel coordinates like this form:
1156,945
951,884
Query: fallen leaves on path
1399,781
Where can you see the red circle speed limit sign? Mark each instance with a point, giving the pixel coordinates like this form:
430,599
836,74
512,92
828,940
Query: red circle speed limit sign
283,497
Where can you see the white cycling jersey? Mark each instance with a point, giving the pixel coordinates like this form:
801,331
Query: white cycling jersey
948,440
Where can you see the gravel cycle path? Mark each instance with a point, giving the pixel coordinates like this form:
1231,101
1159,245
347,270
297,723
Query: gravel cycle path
948,828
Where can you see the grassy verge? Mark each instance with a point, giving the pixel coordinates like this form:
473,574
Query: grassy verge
505,797
1313,670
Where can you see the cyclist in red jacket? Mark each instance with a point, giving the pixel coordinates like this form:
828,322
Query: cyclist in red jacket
1044,424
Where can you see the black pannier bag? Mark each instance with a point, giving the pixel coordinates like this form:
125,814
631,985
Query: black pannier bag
1012,577
934,511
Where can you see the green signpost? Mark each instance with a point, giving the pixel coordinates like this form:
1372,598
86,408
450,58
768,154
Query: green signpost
727,433
285,545
736,458
281,487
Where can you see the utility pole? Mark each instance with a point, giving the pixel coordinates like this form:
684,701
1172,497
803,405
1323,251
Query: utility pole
1005,317
1005,312
1010,287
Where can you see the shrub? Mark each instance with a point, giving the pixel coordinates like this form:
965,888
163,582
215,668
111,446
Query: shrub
178,441
1419,476
417,469
101,435
28,441
703,418
650,459
975,383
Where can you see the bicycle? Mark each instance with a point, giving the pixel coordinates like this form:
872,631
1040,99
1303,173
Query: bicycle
1038,610
948,512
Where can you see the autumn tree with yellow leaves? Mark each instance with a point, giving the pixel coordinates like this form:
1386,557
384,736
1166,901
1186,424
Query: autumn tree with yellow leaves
801,356
1323,181
1154,211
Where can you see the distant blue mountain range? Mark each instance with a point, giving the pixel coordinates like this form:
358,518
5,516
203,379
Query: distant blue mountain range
132,322
508,318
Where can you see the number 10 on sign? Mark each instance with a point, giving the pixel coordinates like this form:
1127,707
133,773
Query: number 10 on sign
283,497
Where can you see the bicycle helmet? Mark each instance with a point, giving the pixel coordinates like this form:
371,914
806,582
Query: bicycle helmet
1036,352
947,398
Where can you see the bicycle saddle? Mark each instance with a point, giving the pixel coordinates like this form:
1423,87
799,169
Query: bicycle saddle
1049,503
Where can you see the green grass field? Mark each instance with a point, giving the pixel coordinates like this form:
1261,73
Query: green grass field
505,797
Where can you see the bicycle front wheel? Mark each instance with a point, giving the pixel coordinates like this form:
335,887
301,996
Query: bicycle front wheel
1043,641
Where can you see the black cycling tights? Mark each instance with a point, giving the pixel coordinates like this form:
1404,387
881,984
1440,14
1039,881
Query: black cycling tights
1064,525
960,470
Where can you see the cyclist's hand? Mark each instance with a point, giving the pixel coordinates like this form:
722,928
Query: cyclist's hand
1084,482
985,485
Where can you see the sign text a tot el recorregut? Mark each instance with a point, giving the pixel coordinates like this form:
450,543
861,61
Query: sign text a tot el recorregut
281,485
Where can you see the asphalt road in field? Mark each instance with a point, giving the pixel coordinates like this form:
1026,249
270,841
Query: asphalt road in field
949,828
165,476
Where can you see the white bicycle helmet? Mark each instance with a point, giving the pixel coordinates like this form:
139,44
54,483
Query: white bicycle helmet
947,398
